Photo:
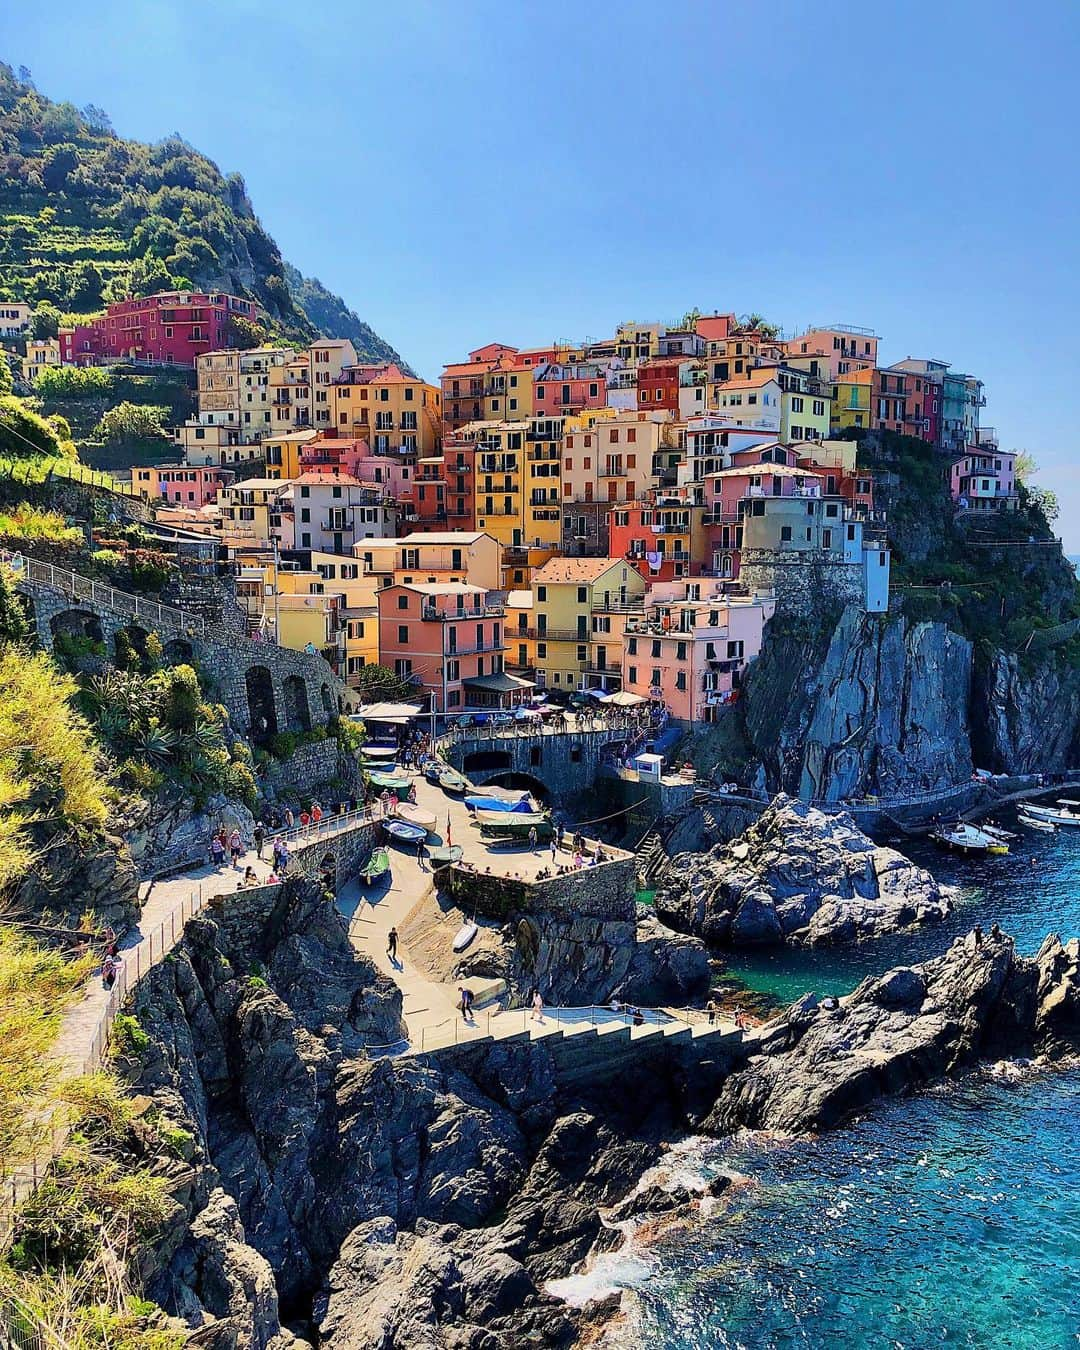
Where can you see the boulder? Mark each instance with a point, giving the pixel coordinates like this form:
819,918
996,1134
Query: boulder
798,875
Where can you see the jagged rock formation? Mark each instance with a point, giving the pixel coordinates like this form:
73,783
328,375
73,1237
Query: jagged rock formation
904,1030
797,875
1027,720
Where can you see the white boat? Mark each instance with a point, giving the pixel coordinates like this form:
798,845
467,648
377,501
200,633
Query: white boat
465,935
964,838
1054,814
416,815
1034,823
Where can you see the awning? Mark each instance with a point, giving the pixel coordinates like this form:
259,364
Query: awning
500,683
625,699
398,713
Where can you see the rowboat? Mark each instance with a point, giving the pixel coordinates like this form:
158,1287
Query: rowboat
522,806
514,824
433,770
390,781
376,867
452,781
963,838
1034,823
404,831
1054,814
378,751
415,815
443,857
465,935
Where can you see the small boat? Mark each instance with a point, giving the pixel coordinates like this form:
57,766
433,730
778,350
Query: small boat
378,751
433,770
465,935
1068,801
376,867
964,838
1053,814
502,794
392,782
404,831
443,857
1034,823
515,824
452,781
416,815
475,803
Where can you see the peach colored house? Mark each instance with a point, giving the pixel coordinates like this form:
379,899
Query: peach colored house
334,456
691,644
187,485
448,640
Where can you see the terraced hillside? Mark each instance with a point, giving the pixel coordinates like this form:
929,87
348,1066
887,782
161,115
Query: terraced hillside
87,217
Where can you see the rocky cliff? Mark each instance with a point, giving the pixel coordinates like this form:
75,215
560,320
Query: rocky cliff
391,1202
903,1030
797,875
875,705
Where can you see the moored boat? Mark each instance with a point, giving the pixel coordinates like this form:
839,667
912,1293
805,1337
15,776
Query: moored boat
1055,814
465,935
452,781
385,752
515,824
444,856
392,782
965,838
404,831
1034,823
415,815
376,867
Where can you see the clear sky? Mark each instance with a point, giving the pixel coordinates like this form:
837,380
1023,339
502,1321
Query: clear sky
464,171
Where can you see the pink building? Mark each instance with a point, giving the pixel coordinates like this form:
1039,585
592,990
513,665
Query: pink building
663,536
691,645
171,328
448,640
733,494
335,456
559,390
985,478
193,486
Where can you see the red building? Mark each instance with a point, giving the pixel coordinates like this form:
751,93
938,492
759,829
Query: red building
458,473
658,386
171,329
560,390
428,507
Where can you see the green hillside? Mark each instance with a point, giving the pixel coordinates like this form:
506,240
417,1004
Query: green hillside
87,217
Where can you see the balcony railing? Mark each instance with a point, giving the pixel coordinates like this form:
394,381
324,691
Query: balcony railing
474,649
629,605
558,635
447,615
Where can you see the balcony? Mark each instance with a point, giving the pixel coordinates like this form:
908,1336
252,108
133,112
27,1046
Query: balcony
474,649
450,615
631,605
558,635
612,471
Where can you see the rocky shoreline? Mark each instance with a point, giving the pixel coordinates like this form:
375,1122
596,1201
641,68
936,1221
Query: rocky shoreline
797,876
419,1202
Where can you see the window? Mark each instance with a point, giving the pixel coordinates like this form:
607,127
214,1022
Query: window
582,594
785,534
403,602
680,680
582,653
541,593
403,668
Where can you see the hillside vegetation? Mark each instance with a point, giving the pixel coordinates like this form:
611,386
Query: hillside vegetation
89,217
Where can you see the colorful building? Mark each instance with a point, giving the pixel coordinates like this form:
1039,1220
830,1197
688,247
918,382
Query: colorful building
40,353
282,452
566,592
181,484
690,645
845,348
331,513
14,318
397,414
446,638
664,536
984,479
172,328
560,390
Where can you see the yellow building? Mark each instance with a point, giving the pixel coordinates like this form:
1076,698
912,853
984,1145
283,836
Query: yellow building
289,388
852,395
498,476
251,512
566,593
40,352
397,414
520,653
282,452
327,358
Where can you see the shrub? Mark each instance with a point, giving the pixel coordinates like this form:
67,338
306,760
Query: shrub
33,524
73,382
130,422
128,1038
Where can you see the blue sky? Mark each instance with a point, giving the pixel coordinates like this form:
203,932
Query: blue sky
463,172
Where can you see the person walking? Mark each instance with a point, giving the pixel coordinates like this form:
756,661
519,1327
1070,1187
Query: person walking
236,848
316,813
288,818
217,851
532,837
537,1007
420,854
554,848
391,944
259,835
305,821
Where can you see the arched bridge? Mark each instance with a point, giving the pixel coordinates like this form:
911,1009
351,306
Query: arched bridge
266,689
563,762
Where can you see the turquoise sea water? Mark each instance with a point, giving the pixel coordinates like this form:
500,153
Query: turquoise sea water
948,1219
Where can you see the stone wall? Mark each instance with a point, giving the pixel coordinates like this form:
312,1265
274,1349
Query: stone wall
307,769
348,851
225,658
802,584
602,892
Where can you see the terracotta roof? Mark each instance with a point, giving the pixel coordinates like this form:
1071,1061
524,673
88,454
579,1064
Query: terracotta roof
557,570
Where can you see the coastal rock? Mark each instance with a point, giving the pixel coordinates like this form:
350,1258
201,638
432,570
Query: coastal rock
913,1025
1027,720
797,875
667,969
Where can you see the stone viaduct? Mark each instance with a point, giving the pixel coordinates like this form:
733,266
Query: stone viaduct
562,763
267,689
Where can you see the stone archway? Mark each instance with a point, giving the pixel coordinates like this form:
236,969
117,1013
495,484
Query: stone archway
261,705
178,652
297,712
78,639
130,646
480,760
327,700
